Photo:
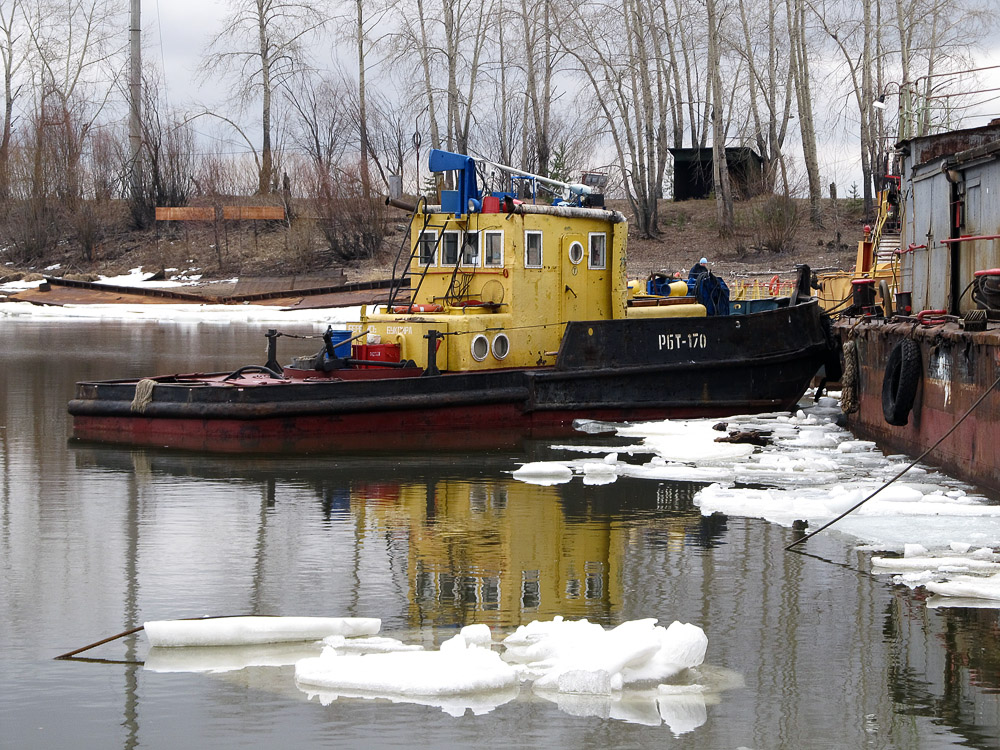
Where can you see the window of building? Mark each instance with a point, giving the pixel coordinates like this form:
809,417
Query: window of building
449,249
470,249
493,249
598,250
427,255
532,249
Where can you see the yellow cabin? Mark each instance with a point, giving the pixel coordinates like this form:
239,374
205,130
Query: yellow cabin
499,279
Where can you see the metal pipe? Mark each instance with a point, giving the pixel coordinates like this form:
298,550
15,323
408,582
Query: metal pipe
101,642
400,203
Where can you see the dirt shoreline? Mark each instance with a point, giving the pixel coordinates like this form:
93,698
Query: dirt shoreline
259,250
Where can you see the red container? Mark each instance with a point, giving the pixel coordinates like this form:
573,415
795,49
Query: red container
376,353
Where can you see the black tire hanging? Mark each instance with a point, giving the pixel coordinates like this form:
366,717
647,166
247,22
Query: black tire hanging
899,385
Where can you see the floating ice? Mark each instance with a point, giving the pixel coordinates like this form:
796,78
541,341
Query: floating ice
813,471
544,473
579,656
579,665
458,667
371,645
968,586
237,631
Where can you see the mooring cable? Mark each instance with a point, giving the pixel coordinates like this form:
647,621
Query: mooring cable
913,463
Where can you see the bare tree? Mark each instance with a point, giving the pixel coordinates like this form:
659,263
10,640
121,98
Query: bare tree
77,58
13,53
720,167
801,78
263,44
166,158
618,58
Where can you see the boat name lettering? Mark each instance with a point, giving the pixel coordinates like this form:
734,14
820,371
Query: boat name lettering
671,341
398,330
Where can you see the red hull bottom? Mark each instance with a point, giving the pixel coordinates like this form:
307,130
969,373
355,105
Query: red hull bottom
477,427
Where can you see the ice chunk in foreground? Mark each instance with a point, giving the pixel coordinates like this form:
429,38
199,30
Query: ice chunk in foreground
237,631
583,657
458,667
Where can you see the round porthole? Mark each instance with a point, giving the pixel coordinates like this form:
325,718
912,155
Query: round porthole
480,347
575,253
501,345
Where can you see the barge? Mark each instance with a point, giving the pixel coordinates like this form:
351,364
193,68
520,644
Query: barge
922,354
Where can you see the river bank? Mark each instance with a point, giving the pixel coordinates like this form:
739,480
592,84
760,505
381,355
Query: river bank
767,242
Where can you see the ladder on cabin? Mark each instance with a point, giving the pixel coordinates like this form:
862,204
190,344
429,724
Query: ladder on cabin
406,272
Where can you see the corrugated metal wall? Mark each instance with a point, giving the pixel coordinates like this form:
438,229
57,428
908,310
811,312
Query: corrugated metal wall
950,192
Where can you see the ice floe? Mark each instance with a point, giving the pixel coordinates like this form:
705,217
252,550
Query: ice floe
241,631
585,669
638,671
810,471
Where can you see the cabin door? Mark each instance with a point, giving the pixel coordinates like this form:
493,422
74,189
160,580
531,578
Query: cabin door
573,262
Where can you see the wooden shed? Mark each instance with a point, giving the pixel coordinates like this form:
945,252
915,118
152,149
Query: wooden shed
693,172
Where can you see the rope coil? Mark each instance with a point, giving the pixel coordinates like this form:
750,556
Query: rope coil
849,402
143,395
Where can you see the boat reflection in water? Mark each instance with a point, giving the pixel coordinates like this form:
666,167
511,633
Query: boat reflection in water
430,543
464,543
475,545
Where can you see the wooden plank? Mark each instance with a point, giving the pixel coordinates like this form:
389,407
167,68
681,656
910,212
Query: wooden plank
246,213
185,213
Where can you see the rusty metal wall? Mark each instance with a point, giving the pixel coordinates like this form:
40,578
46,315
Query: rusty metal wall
963,166
927,194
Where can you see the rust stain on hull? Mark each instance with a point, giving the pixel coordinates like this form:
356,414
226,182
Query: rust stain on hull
956,369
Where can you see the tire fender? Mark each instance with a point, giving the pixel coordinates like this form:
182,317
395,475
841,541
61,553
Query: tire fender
899,384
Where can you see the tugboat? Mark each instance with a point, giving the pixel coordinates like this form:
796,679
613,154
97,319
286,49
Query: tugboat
519,320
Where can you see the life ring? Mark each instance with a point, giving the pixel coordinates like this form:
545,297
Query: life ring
431,308
899,384
775,286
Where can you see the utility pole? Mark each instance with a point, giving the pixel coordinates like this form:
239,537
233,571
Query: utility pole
134,99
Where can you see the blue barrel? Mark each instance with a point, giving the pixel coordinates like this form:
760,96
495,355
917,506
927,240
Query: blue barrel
340,341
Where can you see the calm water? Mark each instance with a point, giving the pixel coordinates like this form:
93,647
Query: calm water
804,650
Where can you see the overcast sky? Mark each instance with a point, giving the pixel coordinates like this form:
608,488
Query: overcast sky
176,33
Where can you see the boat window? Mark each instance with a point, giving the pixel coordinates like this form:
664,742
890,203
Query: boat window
575,253
532,249
428,248
480,347
501,345
449,249
598,250
470,249
493,249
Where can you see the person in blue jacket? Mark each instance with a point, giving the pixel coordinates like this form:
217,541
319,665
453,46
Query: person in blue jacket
698,269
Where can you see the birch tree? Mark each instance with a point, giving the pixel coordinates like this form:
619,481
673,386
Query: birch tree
802,80
76,61
720,168
13,53
263,46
